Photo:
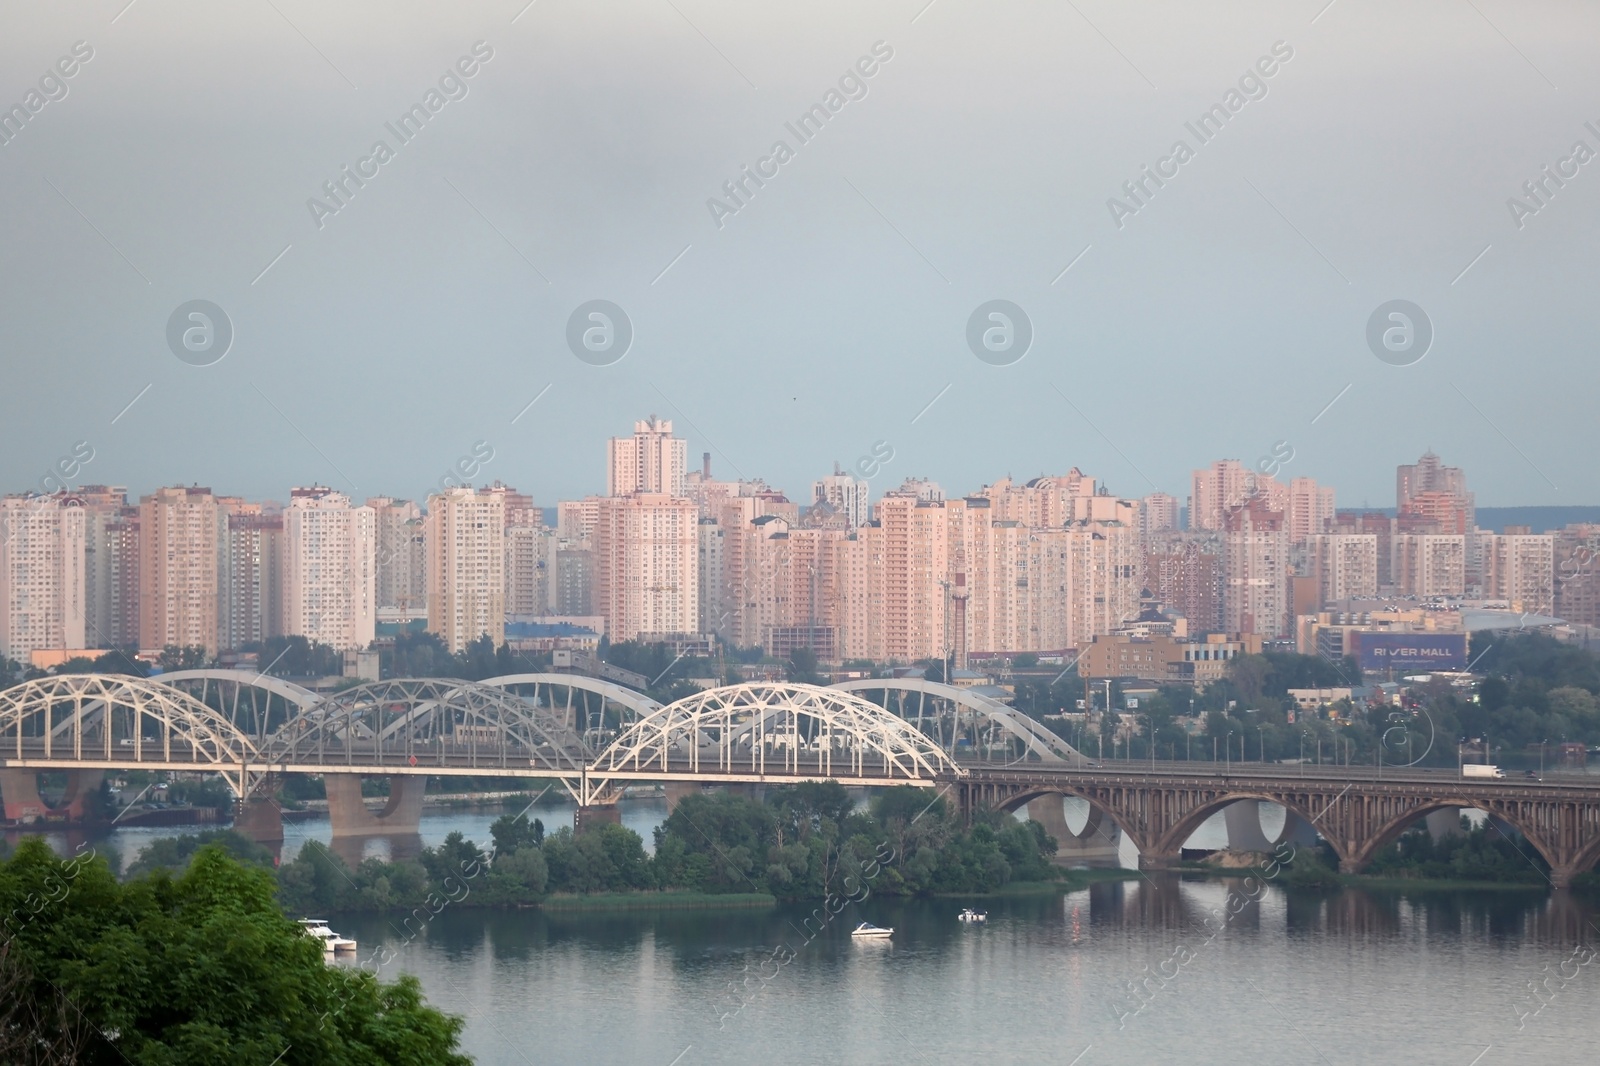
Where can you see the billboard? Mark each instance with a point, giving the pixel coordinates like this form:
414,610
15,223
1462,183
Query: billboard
1409,651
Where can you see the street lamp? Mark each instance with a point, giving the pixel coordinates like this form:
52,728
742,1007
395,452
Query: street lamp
1227,753
1261,741
1542,743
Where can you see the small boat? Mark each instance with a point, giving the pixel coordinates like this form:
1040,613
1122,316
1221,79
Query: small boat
331,942
868,931
970,915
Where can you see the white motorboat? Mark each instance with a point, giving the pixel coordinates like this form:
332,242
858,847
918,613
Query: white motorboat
331,942
970,915
868,931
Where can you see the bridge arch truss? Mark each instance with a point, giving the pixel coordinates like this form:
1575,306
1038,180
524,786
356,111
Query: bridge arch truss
428,726
256,703
93,721
595,709
760,732
967,723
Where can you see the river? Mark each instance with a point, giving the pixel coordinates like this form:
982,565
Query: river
1354,977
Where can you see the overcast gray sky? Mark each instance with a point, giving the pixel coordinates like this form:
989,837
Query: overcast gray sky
827,313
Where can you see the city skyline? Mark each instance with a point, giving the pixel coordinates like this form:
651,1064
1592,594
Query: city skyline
1047,565
880,481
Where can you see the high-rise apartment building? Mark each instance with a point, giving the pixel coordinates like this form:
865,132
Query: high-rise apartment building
1184,573
916,567
530,563
181,535
1042,503
1427,474
1430,489
576,519
1428,565
572,588
1380,526
845,494
1519,567
1345,566
330,571
402,554
1577,574
530,553
1223,486
1158,515
113,621
42,597
1310,509
714,610
466,532
252,584
106,567
1256,571
652,460
647,565
861,594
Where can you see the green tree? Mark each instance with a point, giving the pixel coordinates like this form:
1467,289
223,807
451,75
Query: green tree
173,854
511,832
111,662
295,656
187,657
609,858
200,969
517,878
802,668
727,833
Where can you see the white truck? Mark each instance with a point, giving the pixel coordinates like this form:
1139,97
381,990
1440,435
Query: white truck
1474,769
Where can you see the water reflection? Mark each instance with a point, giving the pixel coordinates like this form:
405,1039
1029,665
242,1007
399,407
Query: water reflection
123,844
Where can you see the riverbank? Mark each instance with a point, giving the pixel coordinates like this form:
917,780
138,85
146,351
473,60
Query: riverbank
648,901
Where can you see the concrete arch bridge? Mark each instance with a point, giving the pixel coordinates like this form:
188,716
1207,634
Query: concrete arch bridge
1160,809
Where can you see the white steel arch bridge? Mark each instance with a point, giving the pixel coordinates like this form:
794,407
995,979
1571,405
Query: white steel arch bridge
223,722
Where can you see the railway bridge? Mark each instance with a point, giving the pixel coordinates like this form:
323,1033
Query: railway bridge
593,739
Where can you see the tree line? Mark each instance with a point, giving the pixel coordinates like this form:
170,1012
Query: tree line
801,842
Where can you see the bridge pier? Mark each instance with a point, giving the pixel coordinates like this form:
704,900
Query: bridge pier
677,791
258,817
1243,820
1444,823
1097,841
19,788
594,816
350,816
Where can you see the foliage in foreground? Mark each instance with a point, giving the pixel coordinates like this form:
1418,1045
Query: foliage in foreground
203,968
